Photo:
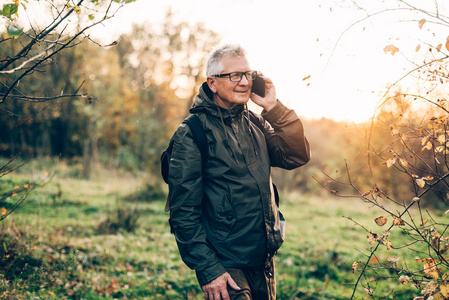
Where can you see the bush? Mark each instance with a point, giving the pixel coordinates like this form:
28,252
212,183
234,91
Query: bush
123,218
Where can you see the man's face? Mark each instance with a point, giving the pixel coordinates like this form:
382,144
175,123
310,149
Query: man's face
228,94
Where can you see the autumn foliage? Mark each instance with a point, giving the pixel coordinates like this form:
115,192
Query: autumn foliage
406,178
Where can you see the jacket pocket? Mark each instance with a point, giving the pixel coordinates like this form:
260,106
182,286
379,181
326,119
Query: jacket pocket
225,219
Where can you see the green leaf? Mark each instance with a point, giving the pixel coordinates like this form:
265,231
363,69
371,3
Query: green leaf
14,32
91,17
9,9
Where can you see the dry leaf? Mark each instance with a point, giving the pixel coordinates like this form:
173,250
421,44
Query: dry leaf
430,269
394,130
439,47
388,244
428,146
417,48
305,78
4,211
420,260
393,258
398,222
420,182
391,48
403,162
354,266
444,290
372,238
404,279
381,221
390,162
415,199
421,23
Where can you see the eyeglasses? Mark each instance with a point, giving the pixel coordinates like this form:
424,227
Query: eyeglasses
237,76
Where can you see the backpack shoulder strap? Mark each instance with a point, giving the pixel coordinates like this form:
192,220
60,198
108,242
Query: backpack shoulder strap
199,137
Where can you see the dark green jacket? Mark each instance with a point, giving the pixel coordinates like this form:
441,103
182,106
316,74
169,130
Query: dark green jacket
223,214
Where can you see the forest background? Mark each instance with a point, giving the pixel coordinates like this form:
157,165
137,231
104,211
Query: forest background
82,200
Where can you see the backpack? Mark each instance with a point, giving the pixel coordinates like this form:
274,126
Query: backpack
199,137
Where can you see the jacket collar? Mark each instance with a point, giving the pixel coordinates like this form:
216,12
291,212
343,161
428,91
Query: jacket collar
204,103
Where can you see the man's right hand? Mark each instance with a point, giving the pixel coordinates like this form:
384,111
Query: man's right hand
217,289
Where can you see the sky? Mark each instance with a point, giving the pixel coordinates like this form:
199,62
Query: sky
320,64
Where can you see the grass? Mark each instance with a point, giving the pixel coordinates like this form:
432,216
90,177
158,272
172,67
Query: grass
54,248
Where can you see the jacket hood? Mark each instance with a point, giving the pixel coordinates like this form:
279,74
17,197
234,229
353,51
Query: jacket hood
204,102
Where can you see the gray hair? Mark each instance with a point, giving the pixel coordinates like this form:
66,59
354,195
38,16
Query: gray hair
214,64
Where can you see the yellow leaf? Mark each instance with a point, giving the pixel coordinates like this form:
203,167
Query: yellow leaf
45,173
381,221
421,23
3,211
439,47
428,146
16,187
430,269
442,139
398,222
68,5
354,266
388,244
25,186
77,9
390,162
444,289
440,149
403,162
420,182
404,279
14,194
391,48
417,48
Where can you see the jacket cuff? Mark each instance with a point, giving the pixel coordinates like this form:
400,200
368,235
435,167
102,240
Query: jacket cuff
275,113
207,275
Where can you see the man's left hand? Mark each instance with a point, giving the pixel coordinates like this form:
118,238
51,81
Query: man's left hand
270,100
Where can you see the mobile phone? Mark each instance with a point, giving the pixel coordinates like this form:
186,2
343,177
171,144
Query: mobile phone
259,86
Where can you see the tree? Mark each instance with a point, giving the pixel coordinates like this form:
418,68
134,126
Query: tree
407,146
29,48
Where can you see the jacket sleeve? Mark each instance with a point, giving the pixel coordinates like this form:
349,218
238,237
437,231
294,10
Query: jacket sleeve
287,144
185,197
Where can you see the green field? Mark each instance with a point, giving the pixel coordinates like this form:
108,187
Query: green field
70,240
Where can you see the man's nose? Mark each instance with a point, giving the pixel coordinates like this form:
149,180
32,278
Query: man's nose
244,80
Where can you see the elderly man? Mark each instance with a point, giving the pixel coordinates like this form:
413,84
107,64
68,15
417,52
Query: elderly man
223,210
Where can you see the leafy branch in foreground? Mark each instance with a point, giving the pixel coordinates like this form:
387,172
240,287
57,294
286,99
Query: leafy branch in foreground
406,179
33,55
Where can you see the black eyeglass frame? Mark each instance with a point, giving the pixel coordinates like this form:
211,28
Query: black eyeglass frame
252,73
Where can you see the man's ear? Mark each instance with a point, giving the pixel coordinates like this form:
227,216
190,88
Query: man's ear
211,83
